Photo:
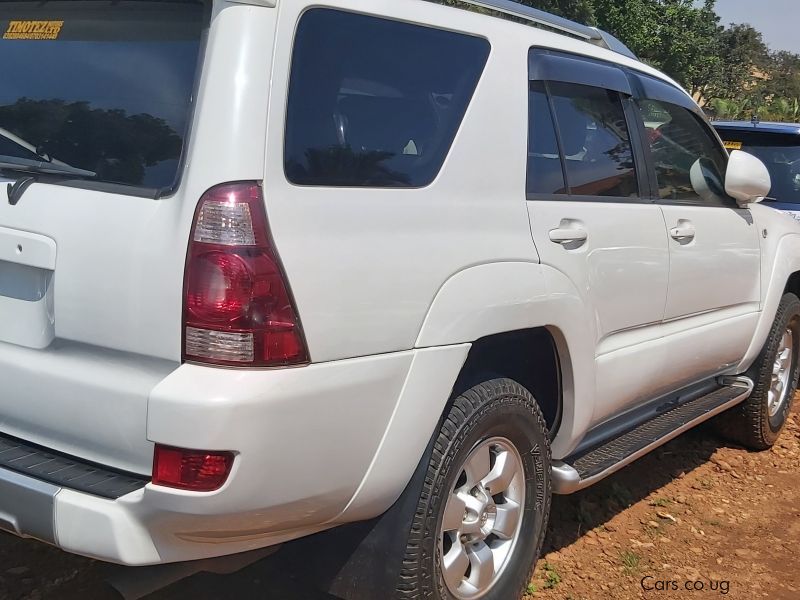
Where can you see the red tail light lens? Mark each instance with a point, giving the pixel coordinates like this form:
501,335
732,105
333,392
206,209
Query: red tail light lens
220,288
191,470
238,310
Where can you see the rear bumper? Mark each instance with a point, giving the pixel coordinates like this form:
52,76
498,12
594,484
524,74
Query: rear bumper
27,506
101,528
315,447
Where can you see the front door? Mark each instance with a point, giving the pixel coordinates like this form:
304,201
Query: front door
714,246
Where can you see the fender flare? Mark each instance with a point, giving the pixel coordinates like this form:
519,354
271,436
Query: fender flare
785,261
500,297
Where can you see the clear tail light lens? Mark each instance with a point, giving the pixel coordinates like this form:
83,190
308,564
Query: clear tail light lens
238,310
192,470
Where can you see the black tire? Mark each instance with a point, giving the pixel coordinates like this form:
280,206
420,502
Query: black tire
750,423
492,409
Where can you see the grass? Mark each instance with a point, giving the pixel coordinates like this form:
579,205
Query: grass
630,561
531,589
551,576
661,502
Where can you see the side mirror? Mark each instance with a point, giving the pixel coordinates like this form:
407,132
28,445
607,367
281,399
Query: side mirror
747,178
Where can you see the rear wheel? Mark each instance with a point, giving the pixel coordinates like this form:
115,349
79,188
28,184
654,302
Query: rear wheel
758,422
481,517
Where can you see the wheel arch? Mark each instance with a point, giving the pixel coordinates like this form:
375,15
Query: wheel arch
506,308
793,284
497,299
528,356
780,274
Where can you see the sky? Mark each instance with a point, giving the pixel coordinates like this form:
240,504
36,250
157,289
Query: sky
777,20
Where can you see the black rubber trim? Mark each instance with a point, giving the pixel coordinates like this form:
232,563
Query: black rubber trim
603,457
66,471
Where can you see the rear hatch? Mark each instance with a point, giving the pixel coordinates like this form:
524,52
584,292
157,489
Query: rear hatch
95,105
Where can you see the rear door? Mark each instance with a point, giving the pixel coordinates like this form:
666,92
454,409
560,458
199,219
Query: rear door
714,281
592,217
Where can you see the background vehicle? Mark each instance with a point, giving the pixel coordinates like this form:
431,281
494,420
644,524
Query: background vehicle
398,264
778,146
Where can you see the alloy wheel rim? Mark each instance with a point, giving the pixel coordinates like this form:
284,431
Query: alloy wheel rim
482,519
781,373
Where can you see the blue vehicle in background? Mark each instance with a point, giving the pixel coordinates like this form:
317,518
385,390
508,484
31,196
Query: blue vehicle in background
778,146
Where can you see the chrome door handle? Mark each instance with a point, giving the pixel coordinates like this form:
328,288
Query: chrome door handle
568,235
683,231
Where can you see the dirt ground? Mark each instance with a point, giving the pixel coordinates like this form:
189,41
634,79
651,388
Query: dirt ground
696,519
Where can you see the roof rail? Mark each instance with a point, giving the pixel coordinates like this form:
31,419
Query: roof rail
592,35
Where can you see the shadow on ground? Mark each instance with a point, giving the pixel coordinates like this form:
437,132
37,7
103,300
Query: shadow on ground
276,579
49,573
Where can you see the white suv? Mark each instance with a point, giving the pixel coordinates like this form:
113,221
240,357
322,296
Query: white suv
271,267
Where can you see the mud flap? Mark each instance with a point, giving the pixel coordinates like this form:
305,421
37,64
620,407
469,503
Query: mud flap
361,561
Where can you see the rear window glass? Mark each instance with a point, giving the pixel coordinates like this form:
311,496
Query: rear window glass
374,102
103,87
781,154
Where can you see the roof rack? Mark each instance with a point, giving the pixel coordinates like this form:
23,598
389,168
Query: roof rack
593,35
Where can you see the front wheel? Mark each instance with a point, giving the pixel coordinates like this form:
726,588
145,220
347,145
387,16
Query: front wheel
758,422
482,514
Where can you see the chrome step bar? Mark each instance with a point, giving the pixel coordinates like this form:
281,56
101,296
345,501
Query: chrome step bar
575,474
592,35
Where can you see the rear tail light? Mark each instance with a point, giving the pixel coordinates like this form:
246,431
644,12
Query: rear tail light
238,309
191,470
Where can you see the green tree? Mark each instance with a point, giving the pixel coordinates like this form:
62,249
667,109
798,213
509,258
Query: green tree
783,73
733,109
116,145
675,36
743,54
577,10
729,68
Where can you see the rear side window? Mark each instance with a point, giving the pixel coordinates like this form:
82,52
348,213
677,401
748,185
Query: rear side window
690,163
579,142
102,87
374,102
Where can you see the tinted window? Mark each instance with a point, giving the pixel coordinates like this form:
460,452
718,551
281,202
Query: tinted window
595,141
689,161
545,173
374,102
781,154
102,88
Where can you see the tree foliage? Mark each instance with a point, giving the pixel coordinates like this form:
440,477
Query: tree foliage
729,69
116,145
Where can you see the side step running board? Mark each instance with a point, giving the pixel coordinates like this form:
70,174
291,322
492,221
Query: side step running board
582,470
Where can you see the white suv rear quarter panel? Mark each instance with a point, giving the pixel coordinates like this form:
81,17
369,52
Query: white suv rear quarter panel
365,264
